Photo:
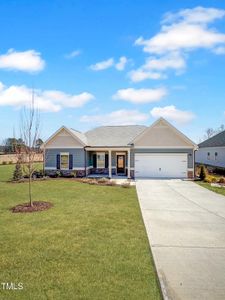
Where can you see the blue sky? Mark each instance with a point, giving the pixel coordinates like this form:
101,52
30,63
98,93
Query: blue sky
113,62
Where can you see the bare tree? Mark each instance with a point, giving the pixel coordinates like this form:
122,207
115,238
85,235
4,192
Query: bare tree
29,131
210,132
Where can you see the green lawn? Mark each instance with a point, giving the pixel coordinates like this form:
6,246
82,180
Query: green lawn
90,245
217,190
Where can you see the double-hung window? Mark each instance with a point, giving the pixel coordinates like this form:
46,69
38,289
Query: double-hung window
100,160
64,161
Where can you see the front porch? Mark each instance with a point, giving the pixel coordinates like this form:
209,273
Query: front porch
111,163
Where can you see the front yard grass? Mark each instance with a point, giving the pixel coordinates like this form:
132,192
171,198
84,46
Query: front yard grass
91,245
218,190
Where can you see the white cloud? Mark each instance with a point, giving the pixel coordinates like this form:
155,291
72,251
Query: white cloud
27,61
182,36
140,95
102,65
47,100
118,117
154,67
195,15
181,32
121,64
141,74
171,61
108,63
173,114
73,54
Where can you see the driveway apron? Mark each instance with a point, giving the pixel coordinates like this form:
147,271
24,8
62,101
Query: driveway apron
185,224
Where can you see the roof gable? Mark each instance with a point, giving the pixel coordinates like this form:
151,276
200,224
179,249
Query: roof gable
162,134
64,137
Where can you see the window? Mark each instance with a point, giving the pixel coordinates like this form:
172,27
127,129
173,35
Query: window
64,161
208,155
100,160
216,155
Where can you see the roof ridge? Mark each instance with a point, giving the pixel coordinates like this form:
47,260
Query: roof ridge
76,130
113,126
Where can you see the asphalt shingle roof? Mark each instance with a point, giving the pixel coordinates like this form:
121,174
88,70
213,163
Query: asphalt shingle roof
113,136
80,135
217,140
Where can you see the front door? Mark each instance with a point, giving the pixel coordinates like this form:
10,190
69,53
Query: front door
121,164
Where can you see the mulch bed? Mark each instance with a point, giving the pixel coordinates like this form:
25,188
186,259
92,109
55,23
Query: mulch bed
26,208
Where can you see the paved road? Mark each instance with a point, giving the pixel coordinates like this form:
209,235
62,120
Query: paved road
185,224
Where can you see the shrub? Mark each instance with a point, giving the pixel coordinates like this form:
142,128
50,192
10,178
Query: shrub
58,174
18,173
221,180
103,180
125,185
111,183
203,172
4,162
208,179
85,180
213,180
10,162
93,182
74,173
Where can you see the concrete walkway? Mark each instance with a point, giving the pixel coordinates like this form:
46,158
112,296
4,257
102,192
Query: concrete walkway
185,224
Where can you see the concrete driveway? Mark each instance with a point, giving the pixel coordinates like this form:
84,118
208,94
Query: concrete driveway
185,224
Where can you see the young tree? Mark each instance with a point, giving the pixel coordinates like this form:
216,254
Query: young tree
30,130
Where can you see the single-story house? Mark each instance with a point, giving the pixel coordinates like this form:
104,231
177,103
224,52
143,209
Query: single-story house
134,151
212,151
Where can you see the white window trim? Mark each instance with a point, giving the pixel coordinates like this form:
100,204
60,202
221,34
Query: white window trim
65,153
100,153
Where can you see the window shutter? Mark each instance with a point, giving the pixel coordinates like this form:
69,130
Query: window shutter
70,161
106,160
94,161
58,162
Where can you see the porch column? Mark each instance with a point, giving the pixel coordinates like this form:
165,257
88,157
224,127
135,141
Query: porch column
110,164
128,163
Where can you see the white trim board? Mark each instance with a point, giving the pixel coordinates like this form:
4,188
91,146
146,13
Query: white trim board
163,147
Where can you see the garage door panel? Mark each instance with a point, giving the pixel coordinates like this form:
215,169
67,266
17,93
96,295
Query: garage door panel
161,165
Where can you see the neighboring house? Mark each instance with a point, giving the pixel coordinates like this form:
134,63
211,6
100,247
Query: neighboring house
159,151
212,151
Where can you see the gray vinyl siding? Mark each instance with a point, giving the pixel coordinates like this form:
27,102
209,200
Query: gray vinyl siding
78,157
201,156
188,151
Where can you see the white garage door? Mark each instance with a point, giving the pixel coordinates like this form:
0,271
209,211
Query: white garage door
163,165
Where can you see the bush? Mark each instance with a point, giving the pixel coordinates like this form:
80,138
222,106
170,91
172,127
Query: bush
103,180
58,174
93,182
4,162
213,180
203,172
221,180
10,162
125,185
208,179
111,183
85,180
18,173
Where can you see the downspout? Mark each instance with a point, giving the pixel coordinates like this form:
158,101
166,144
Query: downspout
44,160
85,161
194,164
